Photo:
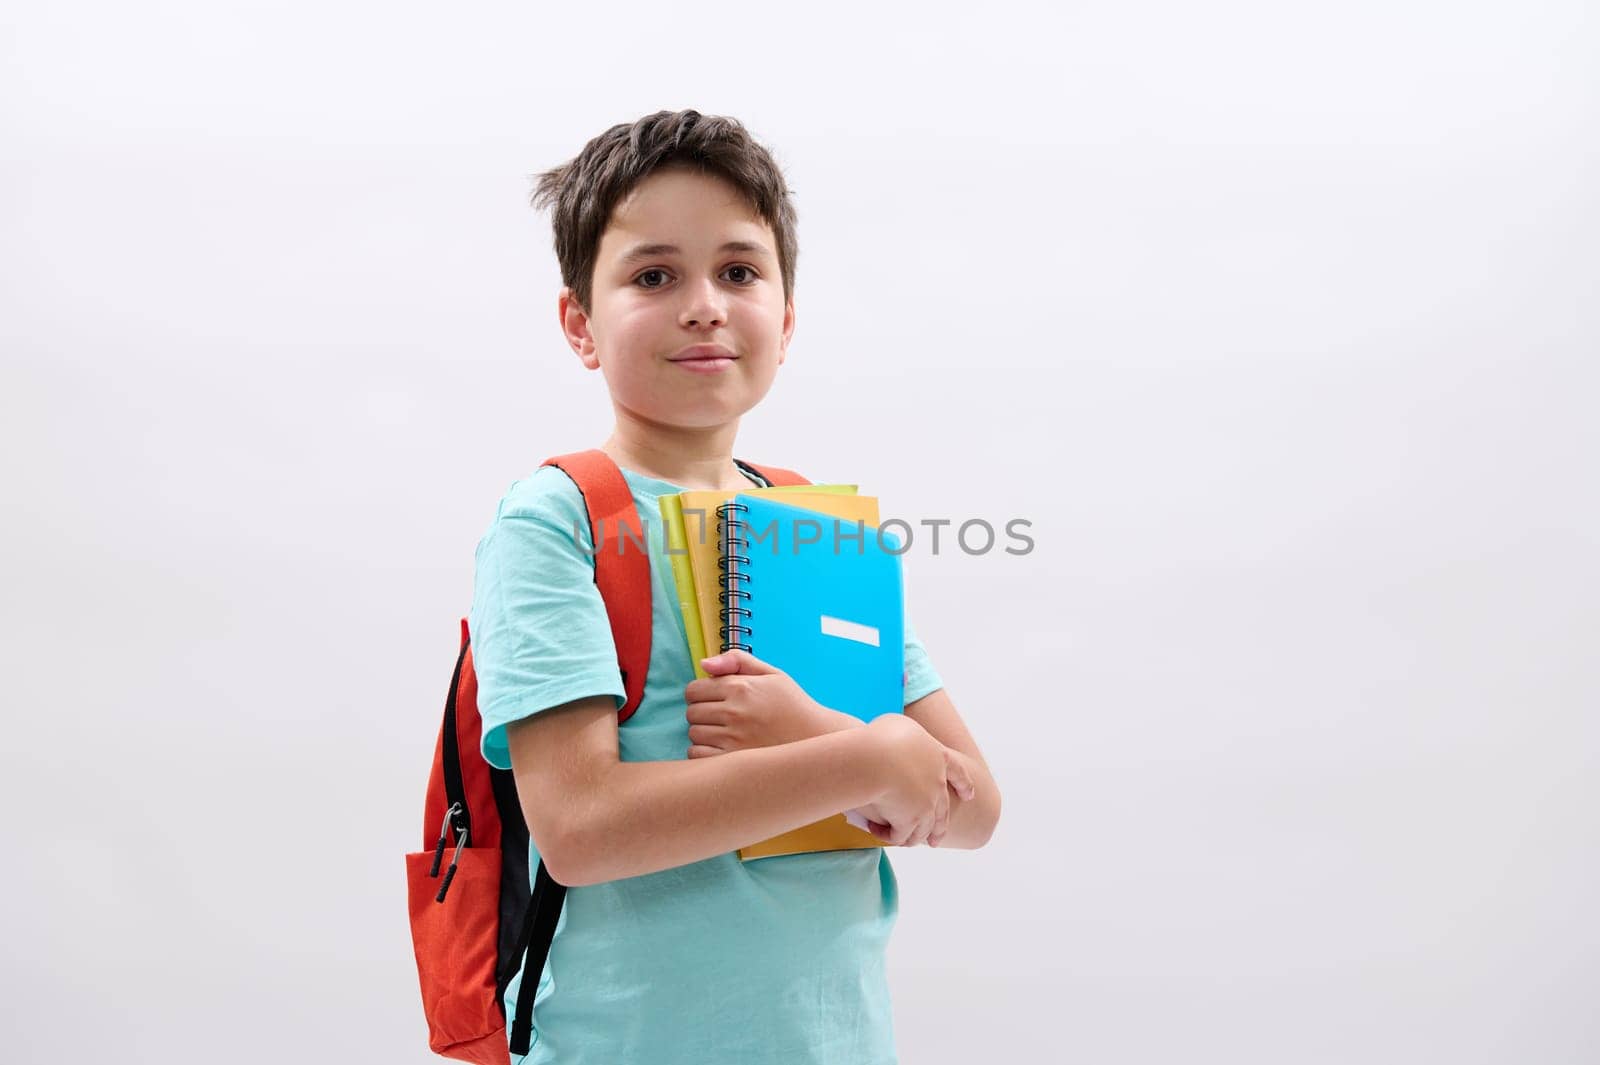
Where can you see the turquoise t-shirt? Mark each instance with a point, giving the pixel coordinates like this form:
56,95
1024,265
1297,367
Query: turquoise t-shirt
775,960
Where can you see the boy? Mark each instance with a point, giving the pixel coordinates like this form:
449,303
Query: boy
676,239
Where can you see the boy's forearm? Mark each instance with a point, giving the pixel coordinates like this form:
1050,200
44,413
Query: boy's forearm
650,816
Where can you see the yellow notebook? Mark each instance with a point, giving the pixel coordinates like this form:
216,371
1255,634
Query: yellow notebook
682,576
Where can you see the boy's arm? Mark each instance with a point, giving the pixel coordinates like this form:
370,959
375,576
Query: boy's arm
595,818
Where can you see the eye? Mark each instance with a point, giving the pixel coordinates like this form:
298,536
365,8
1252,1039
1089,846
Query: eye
747,277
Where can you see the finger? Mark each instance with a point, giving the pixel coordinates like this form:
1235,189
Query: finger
708,713
863,817
703,690
702,751
709,735
958,774
736,662
719,665
919,833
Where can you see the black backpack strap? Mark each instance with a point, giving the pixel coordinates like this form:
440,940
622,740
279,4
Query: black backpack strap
772,475
538,929
751,471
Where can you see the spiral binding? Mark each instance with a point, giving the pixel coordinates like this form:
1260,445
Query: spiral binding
733,582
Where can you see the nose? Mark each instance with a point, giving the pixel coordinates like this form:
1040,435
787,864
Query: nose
705,304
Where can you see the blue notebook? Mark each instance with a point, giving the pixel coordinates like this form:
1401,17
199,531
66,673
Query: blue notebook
832,616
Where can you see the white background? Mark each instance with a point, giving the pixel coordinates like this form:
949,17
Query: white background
1278,322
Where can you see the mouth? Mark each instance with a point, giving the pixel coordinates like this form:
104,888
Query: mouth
704,365
704,356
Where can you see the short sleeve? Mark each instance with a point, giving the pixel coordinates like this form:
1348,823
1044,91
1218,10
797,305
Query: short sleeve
921,679
540,633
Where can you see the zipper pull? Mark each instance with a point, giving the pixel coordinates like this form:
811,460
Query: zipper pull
450,873
444,836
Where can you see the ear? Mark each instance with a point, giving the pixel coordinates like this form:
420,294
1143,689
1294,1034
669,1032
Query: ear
575,326
788,330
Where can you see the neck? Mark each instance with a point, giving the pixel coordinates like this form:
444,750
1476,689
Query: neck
692,458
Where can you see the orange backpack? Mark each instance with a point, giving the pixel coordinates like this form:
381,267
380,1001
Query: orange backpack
471,925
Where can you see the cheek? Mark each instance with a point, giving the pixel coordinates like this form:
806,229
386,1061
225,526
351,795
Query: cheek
631,331
629,347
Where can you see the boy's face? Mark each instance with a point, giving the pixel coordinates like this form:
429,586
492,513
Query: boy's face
648,306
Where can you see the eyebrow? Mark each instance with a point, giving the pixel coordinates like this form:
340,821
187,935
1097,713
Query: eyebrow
649,251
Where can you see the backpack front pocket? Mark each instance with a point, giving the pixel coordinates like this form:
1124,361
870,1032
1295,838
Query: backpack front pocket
456,942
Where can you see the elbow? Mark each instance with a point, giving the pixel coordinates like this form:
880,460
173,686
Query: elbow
560,863
561,848
568,825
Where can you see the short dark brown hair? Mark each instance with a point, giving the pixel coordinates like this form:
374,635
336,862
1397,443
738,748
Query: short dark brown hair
583,192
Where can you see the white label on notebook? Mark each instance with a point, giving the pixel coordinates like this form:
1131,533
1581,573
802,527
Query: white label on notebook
849,630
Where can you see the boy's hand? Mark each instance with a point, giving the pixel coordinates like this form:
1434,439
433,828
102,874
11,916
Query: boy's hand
914,767
958,779
746,703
